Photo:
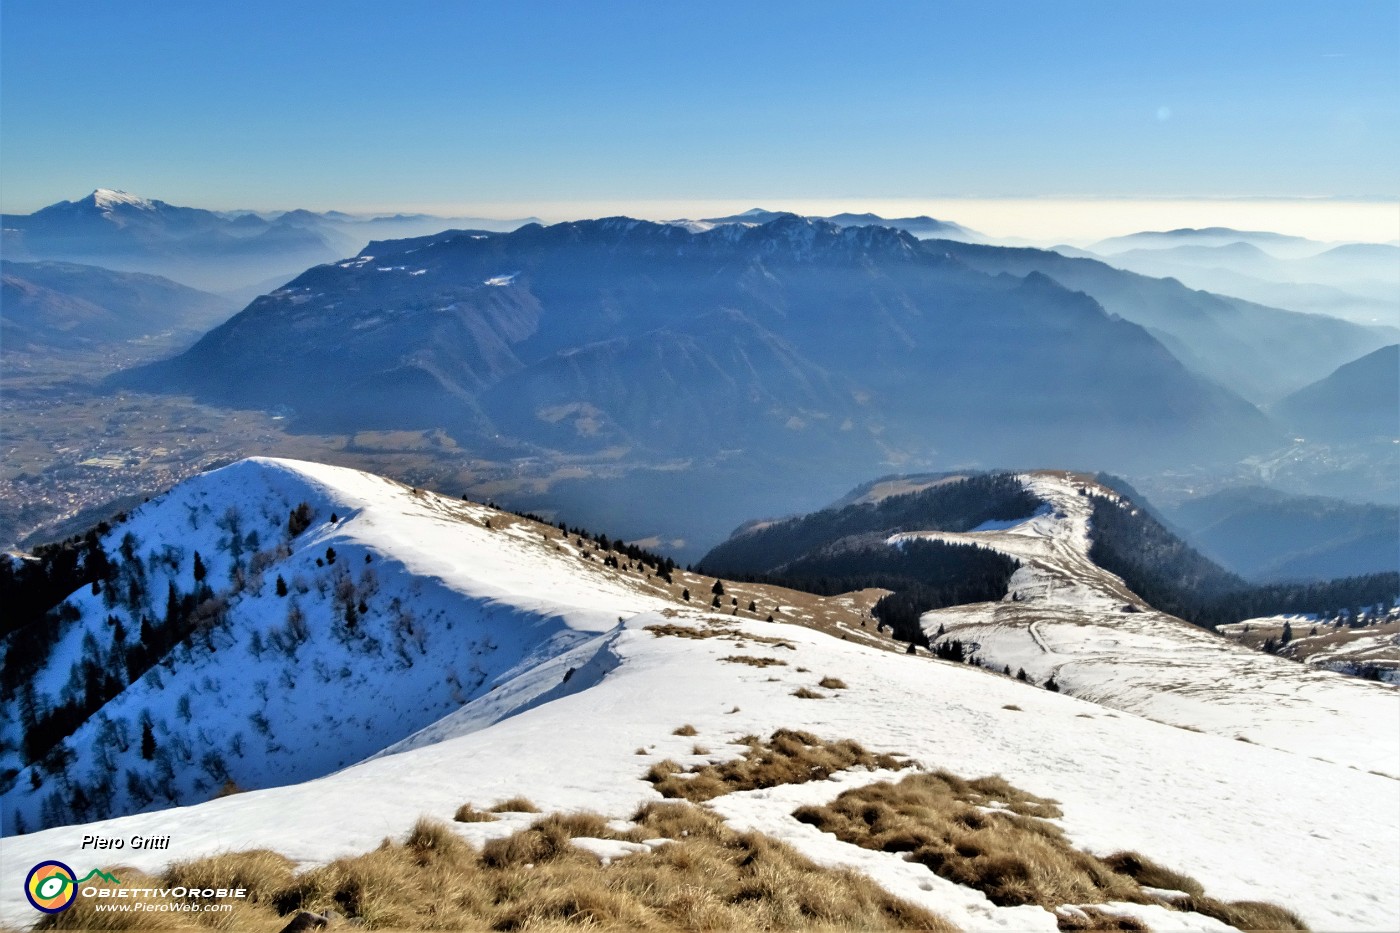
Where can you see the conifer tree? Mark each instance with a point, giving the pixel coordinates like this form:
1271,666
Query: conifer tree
148,740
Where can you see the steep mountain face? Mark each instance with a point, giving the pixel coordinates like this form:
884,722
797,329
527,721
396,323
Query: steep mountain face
1358,402
1260,352
57,305
1265,534
584,335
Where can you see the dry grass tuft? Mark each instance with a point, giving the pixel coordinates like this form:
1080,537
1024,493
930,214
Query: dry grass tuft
1151,875
832,683
1012,706
789,757
987,834
686,730
699,750
686,631
515,805
707,877
804,693
753,661
466,813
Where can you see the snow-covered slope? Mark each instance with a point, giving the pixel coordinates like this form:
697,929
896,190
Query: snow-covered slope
587,671
423,608
1068,618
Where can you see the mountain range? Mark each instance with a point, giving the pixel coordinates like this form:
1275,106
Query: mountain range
763,349
1260,352
1356,281
210,250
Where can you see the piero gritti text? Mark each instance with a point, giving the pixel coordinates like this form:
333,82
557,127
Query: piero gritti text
135,843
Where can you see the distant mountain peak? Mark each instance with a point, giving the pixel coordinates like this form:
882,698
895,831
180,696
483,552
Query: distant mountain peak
110,198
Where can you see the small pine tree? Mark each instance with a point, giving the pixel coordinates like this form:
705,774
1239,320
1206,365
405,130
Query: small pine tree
1287,635
148,741
685,594
912,649
200,572
330,555
299,519
334,518
363,607
753,606
715,602
1021,676
718,588
281,586
1052,685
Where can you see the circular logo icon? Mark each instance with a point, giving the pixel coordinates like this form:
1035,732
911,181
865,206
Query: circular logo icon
51,887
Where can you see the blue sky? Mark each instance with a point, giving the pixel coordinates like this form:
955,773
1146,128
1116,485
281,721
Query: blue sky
535,105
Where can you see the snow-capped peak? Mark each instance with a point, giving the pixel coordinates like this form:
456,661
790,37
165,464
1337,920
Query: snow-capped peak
110,198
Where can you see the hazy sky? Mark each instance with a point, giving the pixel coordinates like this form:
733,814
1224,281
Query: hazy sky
546,107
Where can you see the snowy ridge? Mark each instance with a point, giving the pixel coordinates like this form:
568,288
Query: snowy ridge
1065,617
443,609
587,683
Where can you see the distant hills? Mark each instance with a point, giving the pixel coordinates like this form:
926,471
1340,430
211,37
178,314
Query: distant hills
1356,281
1264,534
1260,352
1359,401
50,306
215,251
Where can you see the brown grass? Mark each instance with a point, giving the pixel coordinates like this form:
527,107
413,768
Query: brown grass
1012,706
789,757
989,835
805,693
686,631
686,730
832,683
515,805
707,878
753,661
466,813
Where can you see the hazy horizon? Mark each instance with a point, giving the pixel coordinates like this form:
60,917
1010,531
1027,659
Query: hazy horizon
1067,122
1077,221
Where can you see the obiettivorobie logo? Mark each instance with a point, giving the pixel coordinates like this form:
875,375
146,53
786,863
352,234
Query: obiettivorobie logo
52,886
